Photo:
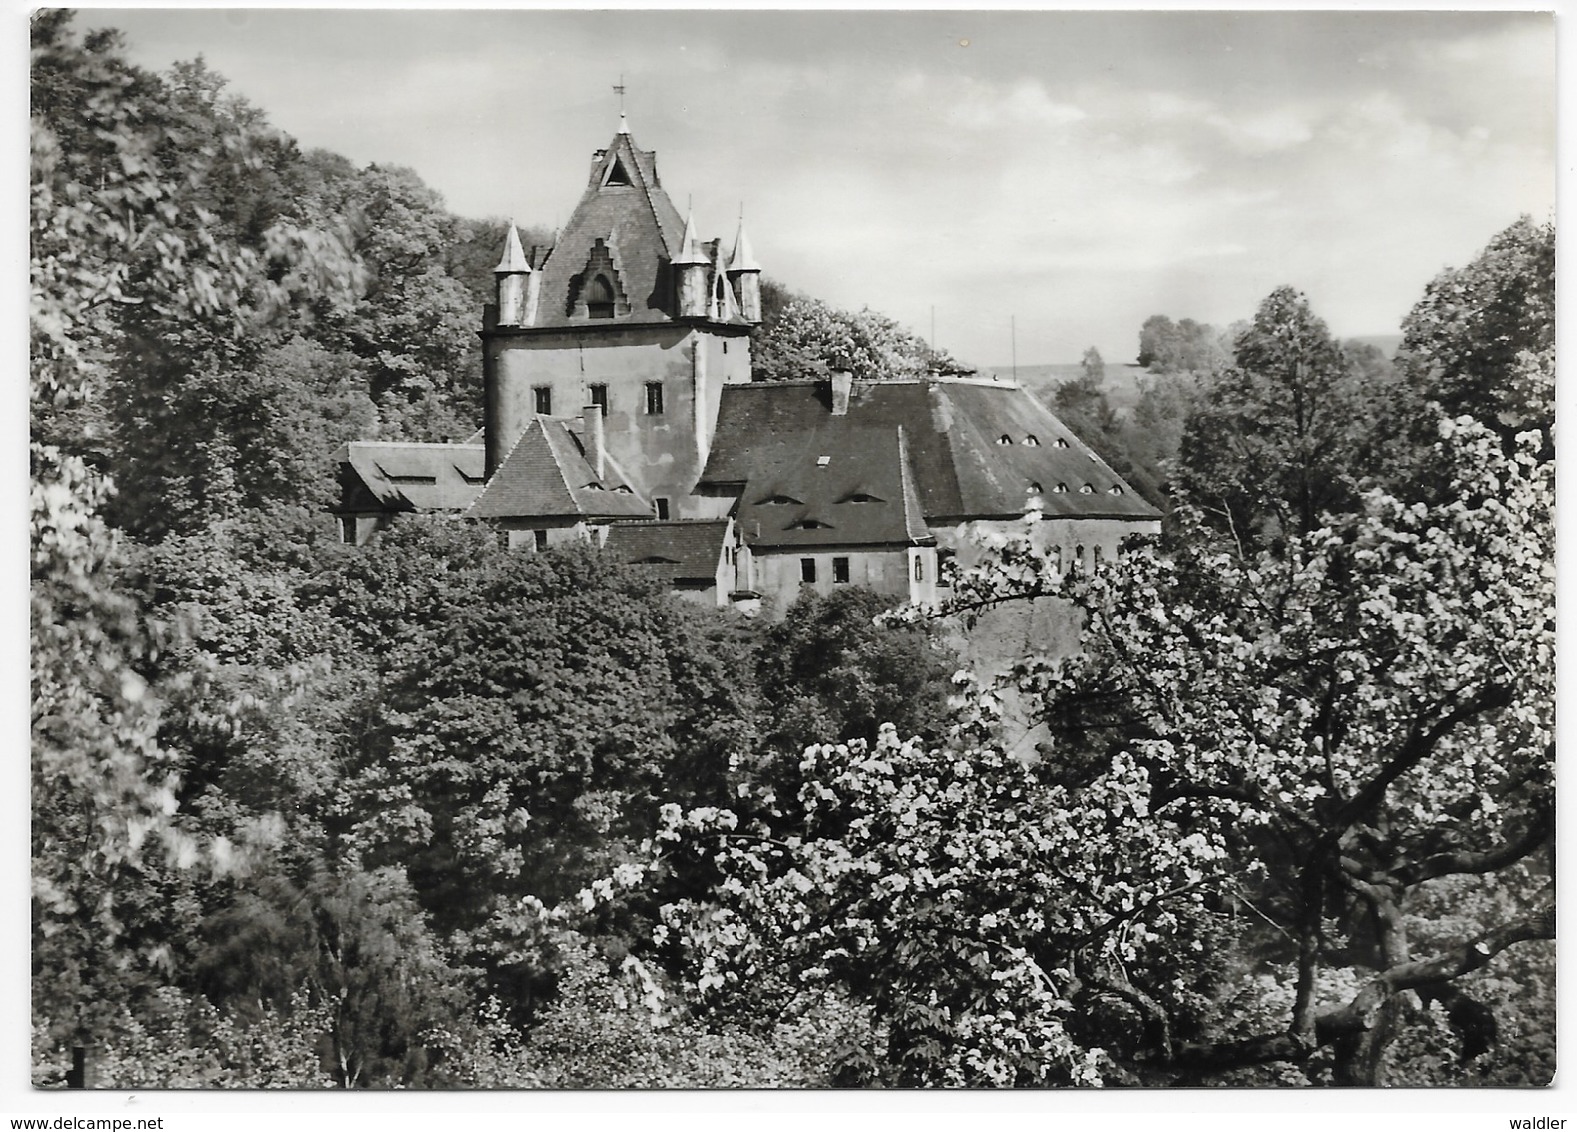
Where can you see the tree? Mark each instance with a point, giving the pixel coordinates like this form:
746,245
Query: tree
1309,741
1182,347
1094,368
809,338
1272,443
113,862
531,717
358,946
1465,347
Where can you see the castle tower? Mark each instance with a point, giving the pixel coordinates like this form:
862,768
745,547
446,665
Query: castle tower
513,278
744,274
630,310
691,269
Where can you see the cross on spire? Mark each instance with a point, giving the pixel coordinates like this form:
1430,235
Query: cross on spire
618,89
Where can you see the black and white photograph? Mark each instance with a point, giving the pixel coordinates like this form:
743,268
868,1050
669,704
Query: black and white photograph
720,550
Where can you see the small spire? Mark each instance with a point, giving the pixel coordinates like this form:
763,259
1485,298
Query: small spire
624,125
744,259
514,260
689,247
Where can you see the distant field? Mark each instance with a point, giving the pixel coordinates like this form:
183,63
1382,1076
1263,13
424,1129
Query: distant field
1121,384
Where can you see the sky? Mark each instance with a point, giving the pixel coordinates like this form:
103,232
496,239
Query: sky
1074,173
1031,183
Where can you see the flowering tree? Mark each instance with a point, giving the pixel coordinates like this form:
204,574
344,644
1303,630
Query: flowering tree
1258,766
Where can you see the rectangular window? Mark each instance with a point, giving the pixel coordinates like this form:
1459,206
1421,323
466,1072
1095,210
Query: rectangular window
807,569
654,397
347,529
599,397
662,507
542,539
544,399
919,569
840,569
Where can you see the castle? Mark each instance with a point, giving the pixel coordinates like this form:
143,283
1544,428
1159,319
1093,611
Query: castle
620,410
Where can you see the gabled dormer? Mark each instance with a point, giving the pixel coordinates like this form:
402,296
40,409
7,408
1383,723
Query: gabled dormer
620,257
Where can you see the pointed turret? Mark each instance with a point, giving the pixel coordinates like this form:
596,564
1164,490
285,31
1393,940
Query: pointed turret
514,278
745,275
691,268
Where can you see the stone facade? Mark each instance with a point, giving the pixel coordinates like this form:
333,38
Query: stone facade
619,409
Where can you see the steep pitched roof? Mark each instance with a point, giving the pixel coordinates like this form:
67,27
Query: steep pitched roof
831,485
625,207
547,476
977,449
677,550
409,477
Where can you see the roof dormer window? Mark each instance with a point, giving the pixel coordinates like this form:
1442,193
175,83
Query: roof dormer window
862,497
617,174
1115,489
1031,441
1061,442
1004,439
1060,489
1087,489
778,497
599,298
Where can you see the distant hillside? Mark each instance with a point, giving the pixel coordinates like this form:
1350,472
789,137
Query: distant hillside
1387,344
1122,380
1121,384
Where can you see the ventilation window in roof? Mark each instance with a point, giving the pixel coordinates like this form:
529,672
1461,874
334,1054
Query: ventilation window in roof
617,174
1087,489
1034,489
811,525
599,302
1004,439
862,497
1031,441
1060,489
778,497
1116,489
1061,442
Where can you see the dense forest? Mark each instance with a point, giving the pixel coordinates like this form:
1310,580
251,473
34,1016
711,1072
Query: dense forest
432,814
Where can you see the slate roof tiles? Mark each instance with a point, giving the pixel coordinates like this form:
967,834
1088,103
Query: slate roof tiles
409,476
679,550
547,476
975,449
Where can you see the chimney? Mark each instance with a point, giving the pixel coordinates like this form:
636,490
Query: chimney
595,447
842,386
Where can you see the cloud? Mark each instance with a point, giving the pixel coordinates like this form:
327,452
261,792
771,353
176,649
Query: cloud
1266,131
983,106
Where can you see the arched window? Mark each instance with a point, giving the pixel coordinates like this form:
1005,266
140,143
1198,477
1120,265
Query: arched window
599,298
